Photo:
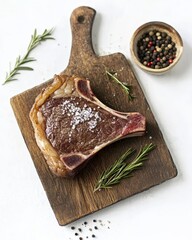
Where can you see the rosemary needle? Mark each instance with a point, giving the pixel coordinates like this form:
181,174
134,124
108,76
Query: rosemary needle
120,169
126,88
21,61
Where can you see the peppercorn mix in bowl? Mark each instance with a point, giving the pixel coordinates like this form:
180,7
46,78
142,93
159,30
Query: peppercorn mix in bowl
156,47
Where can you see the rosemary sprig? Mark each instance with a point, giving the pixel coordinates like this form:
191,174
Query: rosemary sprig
126,88
120,169
21,61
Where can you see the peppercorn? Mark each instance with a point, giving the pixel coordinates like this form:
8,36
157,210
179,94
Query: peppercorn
157,66
151,33
164,34
156,49
168,37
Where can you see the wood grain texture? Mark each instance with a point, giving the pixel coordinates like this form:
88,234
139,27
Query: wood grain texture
74,198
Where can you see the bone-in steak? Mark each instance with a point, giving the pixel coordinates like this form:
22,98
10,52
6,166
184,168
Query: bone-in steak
71,124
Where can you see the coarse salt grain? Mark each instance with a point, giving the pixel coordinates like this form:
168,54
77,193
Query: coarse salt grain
80,115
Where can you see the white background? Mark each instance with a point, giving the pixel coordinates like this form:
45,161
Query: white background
163,212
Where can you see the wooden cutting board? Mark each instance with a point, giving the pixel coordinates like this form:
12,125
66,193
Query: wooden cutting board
74,198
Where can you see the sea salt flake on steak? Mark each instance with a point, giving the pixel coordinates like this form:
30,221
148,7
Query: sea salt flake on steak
71,124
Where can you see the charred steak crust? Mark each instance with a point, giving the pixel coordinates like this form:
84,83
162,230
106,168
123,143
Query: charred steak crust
71,124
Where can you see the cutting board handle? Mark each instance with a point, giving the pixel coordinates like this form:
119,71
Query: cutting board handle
81,27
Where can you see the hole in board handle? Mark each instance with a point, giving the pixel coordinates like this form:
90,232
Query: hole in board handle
81,19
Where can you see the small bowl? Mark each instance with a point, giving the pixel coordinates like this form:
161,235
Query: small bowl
162,27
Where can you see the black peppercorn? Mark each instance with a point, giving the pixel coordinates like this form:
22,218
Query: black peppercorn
164,34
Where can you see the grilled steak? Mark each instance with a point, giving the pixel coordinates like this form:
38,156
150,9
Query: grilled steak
71,124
